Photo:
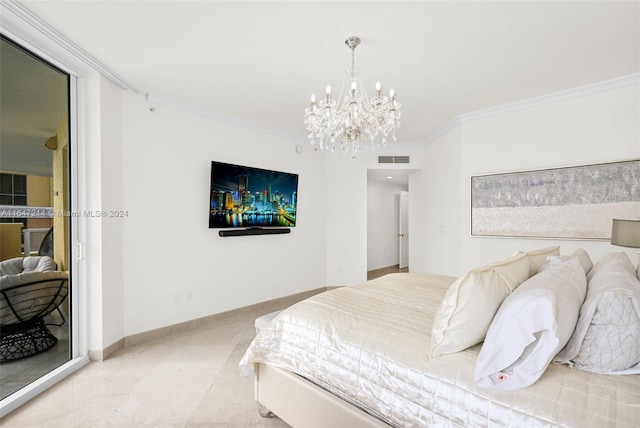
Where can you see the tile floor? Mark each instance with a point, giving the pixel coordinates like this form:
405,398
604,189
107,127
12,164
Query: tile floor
186,379
373,274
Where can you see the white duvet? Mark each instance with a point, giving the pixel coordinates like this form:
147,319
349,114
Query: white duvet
369,344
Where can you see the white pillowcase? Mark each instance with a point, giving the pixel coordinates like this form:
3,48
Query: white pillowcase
620,256
607,335
471,302
531,326
581,254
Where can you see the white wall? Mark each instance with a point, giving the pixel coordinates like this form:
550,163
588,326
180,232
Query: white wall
435,205
168,251
383,204
603,127
111,150
345,212
163,251
162,265
104,236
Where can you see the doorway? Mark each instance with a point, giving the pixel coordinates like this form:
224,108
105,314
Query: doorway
385,254
34,202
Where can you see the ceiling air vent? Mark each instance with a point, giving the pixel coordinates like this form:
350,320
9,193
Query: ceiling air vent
393,159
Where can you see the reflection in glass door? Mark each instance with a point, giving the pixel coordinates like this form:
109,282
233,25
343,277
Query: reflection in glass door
35,309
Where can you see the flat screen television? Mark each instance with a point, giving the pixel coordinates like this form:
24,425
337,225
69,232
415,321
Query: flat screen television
247,197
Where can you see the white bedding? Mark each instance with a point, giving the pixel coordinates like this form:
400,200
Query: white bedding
370,343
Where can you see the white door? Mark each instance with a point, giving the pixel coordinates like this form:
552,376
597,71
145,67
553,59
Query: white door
403,230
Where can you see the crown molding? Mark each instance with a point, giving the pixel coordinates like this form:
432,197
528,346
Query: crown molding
444,129
581,91
221,117
567,94
175,104
22,23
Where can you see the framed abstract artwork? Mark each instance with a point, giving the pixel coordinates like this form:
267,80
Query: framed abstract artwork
576,202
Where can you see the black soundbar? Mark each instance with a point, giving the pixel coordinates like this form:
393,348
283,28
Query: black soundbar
254,231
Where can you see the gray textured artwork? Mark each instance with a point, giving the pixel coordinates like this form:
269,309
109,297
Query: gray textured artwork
573,202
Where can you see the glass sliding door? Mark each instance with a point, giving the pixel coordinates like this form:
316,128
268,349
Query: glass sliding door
35,233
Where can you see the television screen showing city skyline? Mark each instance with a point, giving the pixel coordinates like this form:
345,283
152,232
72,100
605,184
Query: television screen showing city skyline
242,196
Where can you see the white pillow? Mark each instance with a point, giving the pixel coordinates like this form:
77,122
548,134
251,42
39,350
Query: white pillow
531,326
620,256
607,335
471,302
581,254
538,257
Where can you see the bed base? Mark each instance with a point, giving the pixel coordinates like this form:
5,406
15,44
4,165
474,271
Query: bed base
301,403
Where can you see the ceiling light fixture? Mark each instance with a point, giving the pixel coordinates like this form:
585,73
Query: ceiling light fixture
355,122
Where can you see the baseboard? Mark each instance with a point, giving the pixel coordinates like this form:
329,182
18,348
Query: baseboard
101,355
384,269
376,273
267,307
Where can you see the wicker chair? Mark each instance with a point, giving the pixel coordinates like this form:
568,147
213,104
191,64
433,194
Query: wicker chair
30,289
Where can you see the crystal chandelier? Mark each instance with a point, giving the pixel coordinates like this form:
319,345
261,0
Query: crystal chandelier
354,122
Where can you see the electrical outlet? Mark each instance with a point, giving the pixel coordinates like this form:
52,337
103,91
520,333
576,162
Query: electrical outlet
176,298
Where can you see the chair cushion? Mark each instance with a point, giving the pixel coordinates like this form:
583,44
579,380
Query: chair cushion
8,281
33,286
38,264
19,265
11,266
32,295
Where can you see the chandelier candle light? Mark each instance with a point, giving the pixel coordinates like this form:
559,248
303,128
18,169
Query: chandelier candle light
355,122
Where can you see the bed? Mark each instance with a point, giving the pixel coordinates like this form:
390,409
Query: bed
360,356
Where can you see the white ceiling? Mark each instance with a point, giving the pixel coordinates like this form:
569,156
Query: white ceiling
260,61
390,175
